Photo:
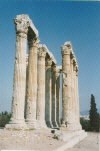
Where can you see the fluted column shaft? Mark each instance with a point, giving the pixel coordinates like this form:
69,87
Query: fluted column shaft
75,96
72,92
18,100
66,87
32,83
26,85
48,97
54,96
79,127
58,98
41,88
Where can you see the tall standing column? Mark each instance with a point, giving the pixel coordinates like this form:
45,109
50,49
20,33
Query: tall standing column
48,96
54,96
79,127
18,99
26,84
72,92
41,87
31,95
75,96
58,97
66,87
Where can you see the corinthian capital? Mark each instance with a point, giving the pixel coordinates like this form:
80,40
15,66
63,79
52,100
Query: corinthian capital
33,42
41,51
65,50
21,25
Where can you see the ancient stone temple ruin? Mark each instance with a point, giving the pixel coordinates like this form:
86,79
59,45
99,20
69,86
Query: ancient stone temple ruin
36,88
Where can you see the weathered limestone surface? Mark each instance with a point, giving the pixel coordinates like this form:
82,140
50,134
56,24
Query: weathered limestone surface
59,68
48,97
26,85
18,100
54,122
32,84
70,101
36,88
66,86
79,127
41,87
75,97
72,92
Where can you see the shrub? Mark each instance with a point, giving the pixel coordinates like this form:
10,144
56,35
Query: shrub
4,118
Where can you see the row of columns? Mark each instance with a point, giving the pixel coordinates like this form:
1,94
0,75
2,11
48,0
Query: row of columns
36,88
38,80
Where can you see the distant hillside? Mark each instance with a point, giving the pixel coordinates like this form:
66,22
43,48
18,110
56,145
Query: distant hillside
86,112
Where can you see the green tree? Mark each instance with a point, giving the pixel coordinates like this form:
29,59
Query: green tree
93,115
4,118
85,124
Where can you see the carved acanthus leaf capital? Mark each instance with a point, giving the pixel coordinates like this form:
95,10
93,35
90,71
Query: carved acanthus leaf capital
65,50
33,42
41,51
21,25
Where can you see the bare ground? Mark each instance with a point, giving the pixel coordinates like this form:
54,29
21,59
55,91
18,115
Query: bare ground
42,140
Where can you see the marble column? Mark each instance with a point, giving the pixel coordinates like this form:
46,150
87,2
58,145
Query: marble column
72,91
18,99
26,85
58,97
48,97
75,97
79,127
54,96
41,87
66,88
31,96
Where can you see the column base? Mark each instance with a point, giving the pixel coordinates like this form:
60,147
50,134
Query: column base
74,127
31,123
16,123
71,127
41,124
78,126
55,124
49,124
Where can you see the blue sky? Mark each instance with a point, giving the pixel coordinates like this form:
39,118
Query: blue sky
57,22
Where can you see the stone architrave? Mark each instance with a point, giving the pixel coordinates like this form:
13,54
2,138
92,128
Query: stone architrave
66,88
41,87
48,96
58,97
54,122
18,99
31,96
